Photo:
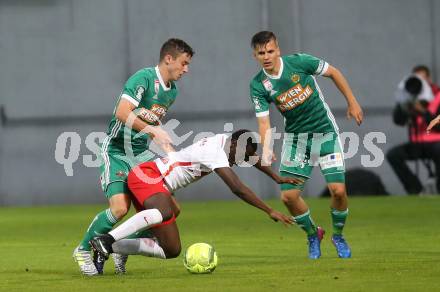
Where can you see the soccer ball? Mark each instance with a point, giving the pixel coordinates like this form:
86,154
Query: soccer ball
200,258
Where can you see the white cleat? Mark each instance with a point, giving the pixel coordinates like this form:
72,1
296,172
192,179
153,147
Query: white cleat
85,262
120,262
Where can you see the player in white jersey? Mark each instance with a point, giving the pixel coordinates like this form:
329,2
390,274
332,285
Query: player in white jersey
152,183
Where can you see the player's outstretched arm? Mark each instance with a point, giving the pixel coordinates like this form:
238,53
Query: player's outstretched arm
265,133
433,123
246,194
354,110
278,179
124,113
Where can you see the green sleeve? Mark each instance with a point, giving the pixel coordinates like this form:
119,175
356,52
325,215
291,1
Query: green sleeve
312,65
258,97
135,88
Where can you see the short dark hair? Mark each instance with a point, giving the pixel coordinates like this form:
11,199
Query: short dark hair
413,85
422,68
261,38
250,141
175,47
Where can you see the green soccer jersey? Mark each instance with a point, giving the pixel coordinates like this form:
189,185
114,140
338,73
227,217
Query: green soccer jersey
144,89
296,94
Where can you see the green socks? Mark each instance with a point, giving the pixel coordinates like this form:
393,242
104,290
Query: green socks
101,224
338,219
306,223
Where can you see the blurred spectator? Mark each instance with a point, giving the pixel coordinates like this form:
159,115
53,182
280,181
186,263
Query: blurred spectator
416,107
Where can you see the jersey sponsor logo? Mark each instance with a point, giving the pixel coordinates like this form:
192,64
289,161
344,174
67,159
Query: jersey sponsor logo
139,92
159,110
153,115
293,97
331,161
295,78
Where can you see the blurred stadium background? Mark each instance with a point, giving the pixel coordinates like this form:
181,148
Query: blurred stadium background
63,64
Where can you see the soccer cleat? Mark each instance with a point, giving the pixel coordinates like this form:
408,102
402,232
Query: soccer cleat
315,243
103,245
99,261
85,262
341,245
120,262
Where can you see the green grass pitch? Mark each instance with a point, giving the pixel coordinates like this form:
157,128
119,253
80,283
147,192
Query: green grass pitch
395,243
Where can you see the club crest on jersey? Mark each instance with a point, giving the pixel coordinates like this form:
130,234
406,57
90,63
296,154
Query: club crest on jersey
156,88
267,85
295,78
121,174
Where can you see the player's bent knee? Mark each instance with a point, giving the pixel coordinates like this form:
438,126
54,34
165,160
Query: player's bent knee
288,197
119,211
175,207
338,191
161,202
120,205
167,214
172,252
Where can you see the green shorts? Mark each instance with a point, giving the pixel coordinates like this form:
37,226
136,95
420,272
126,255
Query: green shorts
301,152
115,168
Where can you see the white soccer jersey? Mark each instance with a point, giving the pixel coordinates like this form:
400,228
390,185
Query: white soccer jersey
191,163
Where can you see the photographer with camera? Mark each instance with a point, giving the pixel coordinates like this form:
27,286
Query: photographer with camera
416,107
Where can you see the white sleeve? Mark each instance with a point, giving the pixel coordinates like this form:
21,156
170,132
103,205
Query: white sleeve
130,99
220,161
215,155
322,68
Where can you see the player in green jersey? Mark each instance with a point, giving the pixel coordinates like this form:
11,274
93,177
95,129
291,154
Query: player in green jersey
145,99
311,131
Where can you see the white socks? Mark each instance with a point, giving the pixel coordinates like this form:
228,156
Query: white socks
137,222
139,246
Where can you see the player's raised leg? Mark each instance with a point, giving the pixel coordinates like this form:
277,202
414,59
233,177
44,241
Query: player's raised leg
144,243
296,205
339,213
164,245
158,209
